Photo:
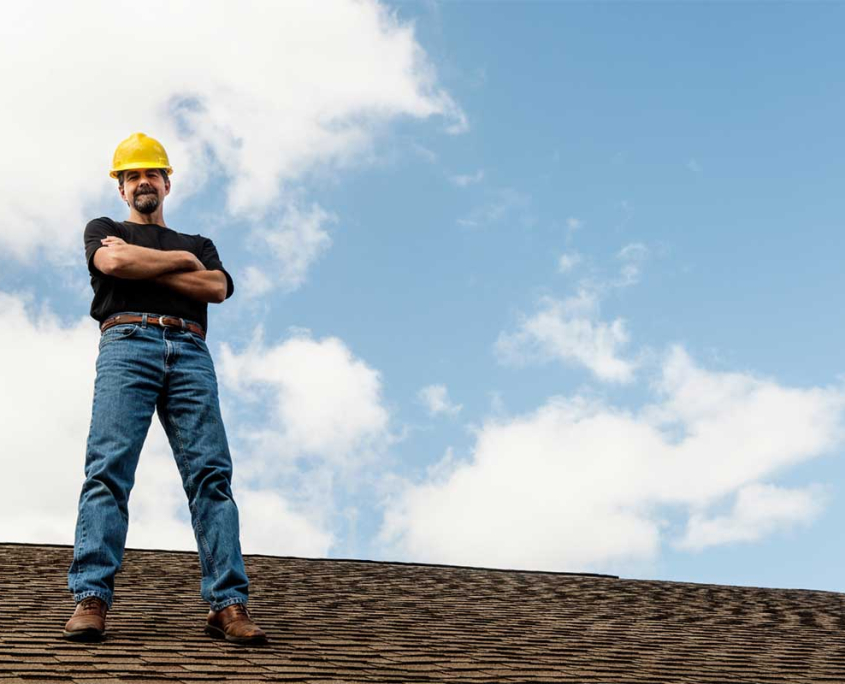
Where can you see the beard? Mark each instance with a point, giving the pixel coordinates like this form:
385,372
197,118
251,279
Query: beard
145,203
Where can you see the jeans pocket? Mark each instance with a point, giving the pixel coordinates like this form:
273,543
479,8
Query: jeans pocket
117,332
197,340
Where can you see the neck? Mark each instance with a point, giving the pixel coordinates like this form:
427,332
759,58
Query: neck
156,218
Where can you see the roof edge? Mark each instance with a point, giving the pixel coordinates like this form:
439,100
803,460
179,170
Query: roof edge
348,560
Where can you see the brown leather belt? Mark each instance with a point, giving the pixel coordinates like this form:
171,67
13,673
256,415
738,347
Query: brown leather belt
164,321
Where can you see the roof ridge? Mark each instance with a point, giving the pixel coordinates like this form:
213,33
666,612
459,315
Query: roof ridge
348,560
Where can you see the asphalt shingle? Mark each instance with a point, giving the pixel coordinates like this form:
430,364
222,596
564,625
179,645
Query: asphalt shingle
362,621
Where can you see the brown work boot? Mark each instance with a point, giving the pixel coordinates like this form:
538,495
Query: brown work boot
234,624
88,622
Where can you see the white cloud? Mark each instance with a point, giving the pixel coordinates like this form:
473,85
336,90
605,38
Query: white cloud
463,181
312,425
270,526
759,510
632,257
570,331
266,95
504,203
296,241
48,371
254,282
269,521
579,484
569,261
51,366
436,400
322,401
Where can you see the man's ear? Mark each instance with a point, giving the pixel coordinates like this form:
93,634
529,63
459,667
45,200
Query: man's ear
122,194
167,187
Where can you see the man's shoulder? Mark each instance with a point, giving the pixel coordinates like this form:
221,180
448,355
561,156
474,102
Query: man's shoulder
103,223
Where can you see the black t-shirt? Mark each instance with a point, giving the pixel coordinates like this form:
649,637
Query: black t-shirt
113,295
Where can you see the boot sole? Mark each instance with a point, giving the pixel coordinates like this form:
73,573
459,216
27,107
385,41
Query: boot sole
85,635
217,633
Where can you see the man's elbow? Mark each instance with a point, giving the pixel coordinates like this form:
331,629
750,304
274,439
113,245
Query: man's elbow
218,295
221,290
106,263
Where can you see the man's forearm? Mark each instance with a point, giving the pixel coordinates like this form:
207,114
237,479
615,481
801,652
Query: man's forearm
142,263
204,286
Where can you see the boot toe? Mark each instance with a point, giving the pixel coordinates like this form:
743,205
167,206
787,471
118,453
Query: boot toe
87,635
88,622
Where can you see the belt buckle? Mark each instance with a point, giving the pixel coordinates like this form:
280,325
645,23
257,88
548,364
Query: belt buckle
167,325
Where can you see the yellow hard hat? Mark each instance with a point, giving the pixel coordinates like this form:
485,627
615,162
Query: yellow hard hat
139,151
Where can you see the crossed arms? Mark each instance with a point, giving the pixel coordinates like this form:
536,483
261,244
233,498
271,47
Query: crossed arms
177,269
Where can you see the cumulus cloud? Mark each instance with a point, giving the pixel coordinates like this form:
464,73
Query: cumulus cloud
322,401
570,331
436,400
254,282
271,522
297,239
159,517
47,372
759,510
311,424
51,366
579,484
271,526
266,95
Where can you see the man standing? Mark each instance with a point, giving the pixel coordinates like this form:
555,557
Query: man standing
152,286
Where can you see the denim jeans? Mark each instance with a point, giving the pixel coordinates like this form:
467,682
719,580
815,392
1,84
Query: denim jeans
143,368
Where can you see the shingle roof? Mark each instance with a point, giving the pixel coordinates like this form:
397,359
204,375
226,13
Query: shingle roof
363,621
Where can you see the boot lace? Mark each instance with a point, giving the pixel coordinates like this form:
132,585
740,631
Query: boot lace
239,609
91,605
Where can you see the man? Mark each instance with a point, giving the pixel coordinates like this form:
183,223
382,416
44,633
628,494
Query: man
152,286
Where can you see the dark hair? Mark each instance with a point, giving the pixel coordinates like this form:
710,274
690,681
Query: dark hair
120,175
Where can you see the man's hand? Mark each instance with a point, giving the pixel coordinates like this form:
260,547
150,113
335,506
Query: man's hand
117,246
123,253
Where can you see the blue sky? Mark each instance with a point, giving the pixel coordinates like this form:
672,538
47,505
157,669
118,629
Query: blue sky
604,235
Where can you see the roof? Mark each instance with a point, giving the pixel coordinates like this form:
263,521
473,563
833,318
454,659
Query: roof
364,621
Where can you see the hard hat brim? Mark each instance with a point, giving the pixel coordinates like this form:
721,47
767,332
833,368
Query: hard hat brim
139,165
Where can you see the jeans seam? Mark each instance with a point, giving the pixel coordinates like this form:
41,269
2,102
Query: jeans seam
76,566
99,594
208,555
217,607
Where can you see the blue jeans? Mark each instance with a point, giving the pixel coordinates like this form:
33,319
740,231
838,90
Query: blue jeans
143,368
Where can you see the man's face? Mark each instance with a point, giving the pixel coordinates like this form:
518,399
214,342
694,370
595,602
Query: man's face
144,189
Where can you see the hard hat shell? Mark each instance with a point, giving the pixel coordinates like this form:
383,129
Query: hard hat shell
139,151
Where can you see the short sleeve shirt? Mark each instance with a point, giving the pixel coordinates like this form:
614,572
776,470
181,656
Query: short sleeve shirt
113,295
